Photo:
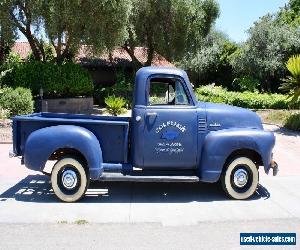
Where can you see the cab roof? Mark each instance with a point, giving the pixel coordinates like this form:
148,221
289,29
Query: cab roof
147,71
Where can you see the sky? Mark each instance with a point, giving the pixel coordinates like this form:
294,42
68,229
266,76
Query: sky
237,16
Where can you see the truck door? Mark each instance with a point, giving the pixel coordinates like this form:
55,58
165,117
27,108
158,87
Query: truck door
170,125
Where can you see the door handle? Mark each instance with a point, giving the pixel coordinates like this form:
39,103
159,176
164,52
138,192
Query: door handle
151,114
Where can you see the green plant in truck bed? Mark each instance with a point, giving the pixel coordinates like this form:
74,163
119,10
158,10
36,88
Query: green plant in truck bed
115,105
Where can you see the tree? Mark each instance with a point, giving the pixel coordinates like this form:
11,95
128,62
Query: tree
169,27
98,23
264,54
7,32
67,24
211,62
290,14
62,27
26,17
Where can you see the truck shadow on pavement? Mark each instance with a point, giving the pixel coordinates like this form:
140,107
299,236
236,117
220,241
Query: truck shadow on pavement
37,188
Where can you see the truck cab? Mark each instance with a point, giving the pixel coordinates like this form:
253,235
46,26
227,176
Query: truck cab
165,121
171,136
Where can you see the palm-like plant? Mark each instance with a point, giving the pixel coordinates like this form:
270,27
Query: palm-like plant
115,105
292,83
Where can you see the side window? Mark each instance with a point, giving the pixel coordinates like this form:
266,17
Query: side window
167,91
181,97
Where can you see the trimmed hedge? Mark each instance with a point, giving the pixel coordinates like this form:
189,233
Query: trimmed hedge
16,101
244,99
67,80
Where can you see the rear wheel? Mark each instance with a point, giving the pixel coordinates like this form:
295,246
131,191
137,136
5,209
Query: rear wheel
240,179
69,179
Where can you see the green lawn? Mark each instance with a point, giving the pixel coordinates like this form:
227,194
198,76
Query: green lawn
282,118
276,117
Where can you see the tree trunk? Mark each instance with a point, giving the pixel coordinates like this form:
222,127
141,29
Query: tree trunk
150,56
40,46
63,53
2,51
59,59
136,63
2,56
35,50
67,53
25,29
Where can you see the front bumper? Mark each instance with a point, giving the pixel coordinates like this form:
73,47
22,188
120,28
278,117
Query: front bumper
274,167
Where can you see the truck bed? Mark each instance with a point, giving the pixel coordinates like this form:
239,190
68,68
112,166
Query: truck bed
112,132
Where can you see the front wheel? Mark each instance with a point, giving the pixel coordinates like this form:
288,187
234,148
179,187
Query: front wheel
240,179
69,179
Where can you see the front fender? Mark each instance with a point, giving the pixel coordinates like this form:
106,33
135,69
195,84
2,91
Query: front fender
41,143
218,145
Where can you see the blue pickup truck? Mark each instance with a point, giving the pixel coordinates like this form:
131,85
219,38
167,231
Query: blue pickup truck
171,137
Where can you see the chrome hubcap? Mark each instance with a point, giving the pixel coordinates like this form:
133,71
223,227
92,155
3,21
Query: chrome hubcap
69,179
240,178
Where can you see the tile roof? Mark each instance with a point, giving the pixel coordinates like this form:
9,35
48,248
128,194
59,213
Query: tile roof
119,56
21,48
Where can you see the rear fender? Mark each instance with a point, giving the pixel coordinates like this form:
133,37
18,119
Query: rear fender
218,146
43,142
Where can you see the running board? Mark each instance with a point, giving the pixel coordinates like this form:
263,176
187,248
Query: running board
147,178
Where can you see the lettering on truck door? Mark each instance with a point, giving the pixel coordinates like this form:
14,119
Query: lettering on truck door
170,133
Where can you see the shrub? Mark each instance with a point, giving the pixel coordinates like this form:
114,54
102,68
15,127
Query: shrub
293,122
115,105
253,100
292,83
4,113
245,83
67,80
16,101
6,68
156,100
12,59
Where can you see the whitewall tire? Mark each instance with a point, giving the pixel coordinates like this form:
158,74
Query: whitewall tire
240,178
69,179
